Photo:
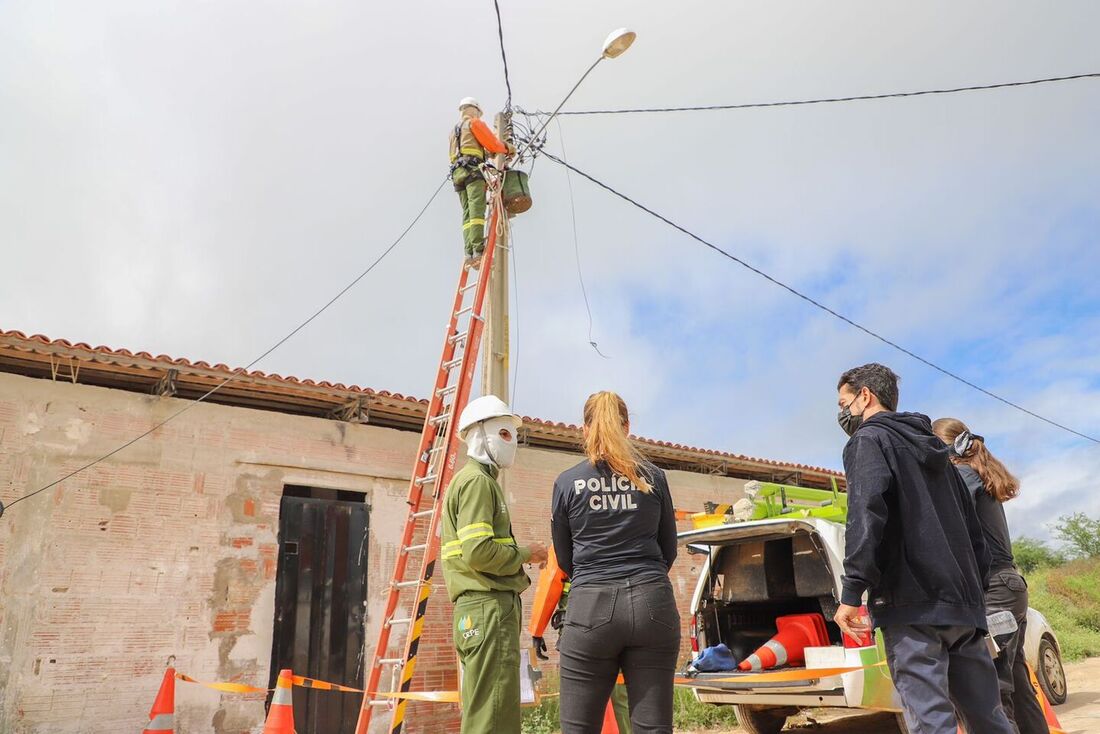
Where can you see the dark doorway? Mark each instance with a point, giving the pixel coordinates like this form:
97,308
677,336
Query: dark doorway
320,590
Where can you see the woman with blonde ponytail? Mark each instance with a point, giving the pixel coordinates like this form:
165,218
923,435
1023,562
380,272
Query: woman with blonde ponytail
991,485
614,532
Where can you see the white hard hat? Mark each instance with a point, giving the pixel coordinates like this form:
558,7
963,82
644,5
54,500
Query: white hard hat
482,409
468,102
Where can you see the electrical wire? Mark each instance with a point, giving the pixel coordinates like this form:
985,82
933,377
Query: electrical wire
576,241
503,56
242,370
815,303
826,100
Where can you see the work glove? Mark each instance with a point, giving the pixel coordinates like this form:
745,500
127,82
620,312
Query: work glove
557,619
540,648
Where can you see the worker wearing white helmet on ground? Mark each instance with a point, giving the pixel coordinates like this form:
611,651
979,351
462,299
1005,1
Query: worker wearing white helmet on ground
471,141
483,569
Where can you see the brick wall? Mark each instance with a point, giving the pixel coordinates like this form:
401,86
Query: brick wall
171,548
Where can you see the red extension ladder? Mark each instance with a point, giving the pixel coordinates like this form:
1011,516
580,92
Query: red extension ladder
407,596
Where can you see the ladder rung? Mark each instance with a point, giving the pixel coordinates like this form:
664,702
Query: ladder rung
469,287
442,417
424,513
452,363
381,702
391,661
458,336
426,480
402,620
414,548
446,390
406,584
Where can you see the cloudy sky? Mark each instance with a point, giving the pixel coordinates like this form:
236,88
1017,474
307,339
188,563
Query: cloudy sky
194,178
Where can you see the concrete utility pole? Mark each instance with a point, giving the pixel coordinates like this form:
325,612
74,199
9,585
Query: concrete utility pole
494,355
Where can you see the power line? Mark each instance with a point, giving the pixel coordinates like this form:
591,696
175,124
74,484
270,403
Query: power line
826,100
503,56
576,242
241,370
814,302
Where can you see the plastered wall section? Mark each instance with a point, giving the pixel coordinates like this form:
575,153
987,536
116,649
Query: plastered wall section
171,548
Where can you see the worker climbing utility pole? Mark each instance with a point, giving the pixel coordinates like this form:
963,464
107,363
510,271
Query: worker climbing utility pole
494,358
470,142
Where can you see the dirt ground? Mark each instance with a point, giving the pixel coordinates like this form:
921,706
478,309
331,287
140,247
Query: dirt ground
1080,714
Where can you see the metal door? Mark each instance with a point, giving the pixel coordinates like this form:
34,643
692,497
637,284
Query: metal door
320,591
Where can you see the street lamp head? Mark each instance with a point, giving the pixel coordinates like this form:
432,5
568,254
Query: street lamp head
618,42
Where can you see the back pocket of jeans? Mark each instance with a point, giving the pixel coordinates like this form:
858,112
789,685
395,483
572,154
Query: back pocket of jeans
662,607
591,607
1013,581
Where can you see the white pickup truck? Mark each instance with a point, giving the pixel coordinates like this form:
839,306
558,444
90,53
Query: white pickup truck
757,570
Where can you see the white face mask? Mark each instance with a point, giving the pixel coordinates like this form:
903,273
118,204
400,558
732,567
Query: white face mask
485,444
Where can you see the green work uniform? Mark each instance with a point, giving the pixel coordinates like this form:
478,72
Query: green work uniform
471,197
619,701
466,154
483,569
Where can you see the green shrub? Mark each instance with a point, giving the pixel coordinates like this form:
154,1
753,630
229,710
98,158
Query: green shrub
1081,533
689,713
542,719
1032,554
1069,597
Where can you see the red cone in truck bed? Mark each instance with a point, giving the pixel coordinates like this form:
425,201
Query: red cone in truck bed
796,633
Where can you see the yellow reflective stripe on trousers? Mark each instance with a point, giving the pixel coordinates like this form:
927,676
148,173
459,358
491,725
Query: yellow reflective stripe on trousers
474,223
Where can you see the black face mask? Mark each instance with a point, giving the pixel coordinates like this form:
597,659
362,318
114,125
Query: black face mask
848,422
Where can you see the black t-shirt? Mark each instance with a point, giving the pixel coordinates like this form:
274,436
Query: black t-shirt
605,529
991,516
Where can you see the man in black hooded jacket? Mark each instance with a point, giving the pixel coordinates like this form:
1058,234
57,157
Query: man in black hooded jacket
914,545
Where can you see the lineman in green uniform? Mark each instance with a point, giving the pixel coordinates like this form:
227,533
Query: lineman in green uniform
471,140
483,569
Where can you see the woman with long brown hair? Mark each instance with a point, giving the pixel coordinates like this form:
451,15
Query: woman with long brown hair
991,485
614,531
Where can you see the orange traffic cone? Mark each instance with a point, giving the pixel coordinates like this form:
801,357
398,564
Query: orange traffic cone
796,633
1048,710
162,717
610,723
280,717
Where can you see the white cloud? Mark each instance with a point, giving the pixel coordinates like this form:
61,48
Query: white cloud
195,179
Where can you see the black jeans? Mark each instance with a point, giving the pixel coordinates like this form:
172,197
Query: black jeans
633,627
1008,591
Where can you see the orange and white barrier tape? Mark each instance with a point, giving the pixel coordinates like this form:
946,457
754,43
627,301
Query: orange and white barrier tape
780,676
322,685
224,687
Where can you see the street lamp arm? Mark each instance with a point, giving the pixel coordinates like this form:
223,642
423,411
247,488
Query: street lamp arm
557,109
